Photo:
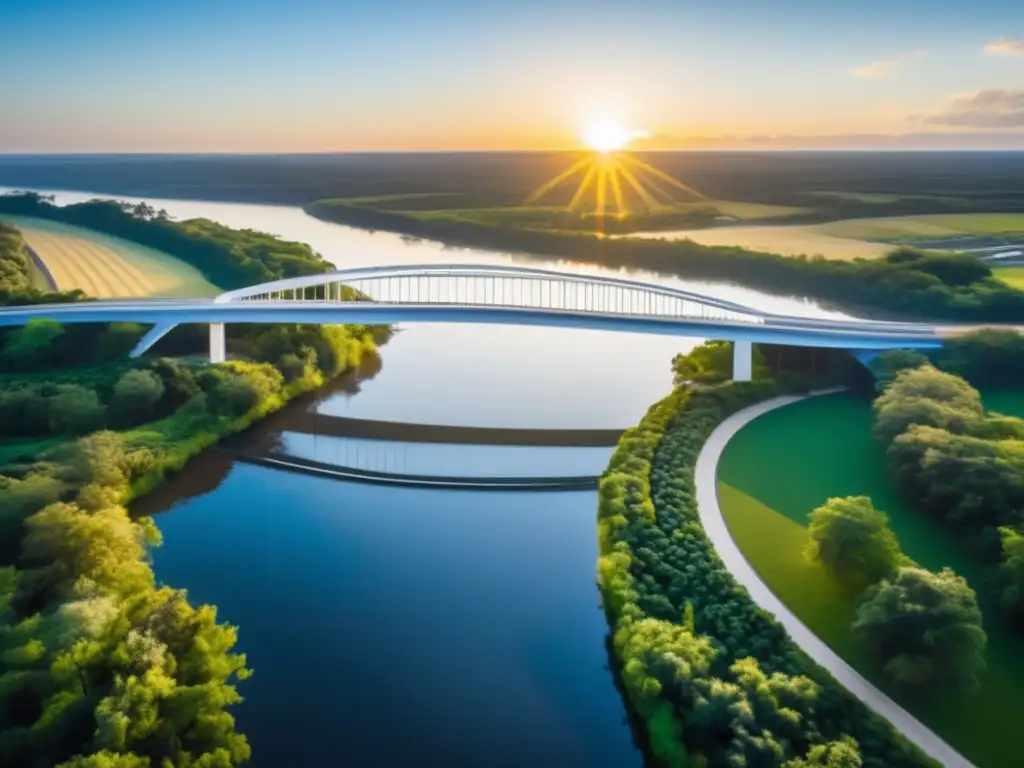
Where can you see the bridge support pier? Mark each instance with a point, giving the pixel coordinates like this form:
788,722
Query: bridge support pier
742,361
218,347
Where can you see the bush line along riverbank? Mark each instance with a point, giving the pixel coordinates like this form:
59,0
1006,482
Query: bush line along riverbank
711,675
908,282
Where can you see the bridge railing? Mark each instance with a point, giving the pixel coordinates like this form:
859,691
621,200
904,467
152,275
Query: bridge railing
497,287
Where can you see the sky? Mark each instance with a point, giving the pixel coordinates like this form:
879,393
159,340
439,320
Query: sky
334,75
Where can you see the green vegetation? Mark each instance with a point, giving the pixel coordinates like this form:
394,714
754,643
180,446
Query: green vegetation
926,629
709,673
229,258
946,286
853,541
826,444
99,666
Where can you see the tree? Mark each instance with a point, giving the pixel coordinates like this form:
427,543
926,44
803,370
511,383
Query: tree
853,541
106,759
888,365
755,719
28,345
105,546
927,397
136,394
1012,569
844,753
710,362
926,628
75,410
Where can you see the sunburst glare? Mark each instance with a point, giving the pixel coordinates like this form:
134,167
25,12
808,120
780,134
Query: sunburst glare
614,182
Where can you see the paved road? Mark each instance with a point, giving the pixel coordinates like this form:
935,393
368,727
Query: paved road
714,524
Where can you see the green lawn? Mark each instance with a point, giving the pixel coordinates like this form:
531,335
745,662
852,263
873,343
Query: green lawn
789,461
1012,275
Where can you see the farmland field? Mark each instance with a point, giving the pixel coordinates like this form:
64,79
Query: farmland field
777,469
865,238
108,267
788,240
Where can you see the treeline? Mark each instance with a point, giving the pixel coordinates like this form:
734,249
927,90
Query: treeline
793,368
955,462
125,393
100,667
715,679
906,282
229,258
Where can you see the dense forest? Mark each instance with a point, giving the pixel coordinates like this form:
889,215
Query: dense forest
712,676
907,282
229,258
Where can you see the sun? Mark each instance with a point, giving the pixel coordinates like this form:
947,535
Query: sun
607,136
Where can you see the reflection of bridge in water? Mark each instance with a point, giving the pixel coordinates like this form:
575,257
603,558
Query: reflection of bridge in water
427,465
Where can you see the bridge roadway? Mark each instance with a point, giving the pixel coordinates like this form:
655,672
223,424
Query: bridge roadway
847,334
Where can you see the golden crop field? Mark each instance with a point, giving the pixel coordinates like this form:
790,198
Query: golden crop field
851,238
108,267
788,240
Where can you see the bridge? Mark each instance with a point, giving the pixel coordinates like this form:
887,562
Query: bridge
506,295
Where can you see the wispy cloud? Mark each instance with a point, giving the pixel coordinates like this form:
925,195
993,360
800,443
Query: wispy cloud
887,67
1006,46
990,108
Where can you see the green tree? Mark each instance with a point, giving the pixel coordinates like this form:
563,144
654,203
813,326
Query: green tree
106,759
888,365
30,344
105,546
911,386
853,541
926,628
136,394
1012,569
75,410
835,754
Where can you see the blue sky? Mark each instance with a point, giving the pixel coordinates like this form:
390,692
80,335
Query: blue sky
311,75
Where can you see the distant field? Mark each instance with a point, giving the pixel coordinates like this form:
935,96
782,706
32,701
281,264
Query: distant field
863,238
1012,275
788,240
108,267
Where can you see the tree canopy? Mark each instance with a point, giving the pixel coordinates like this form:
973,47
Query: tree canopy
853,541
927,629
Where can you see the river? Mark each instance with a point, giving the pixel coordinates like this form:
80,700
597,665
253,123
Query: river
398,627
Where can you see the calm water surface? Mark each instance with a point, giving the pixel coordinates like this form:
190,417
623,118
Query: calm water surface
392,626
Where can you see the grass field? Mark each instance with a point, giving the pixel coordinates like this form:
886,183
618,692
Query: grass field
1012,275
786,463
788,240
859,238
108,267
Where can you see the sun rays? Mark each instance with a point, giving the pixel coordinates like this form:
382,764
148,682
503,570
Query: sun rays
613,182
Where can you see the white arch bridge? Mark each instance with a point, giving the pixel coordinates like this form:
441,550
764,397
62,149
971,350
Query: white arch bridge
489,294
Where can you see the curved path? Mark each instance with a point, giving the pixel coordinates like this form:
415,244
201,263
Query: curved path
712,519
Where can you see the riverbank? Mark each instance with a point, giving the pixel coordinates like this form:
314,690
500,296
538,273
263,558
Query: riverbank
910,283
657,564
